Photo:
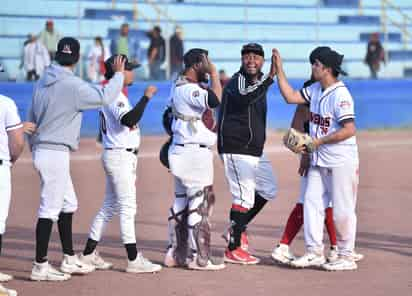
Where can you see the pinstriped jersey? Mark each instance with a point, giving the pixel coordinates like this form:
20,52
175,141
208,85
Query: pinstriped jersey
9,120
328,109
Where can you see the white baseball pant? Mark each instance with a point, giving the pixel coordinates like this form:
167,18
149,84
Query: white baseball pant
57,192
338,185
120,196
5,194
247,174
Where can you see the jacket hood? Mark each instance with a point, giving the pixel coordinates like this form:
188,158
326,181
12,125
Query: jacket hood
54,73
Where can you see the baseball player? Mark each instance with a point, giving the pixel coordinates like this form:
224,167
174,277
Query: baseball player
191,163
121,139
333,174
57,104
241,137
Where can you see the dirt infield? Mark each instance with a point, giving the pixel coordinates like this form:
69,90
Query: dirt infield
384,229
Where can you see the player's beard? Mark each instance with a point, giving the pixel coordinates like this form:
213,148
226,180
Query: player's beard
203,77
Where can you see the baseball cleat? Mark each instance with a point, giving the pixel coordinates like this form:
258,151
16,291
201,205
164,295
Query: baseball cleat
170,260
142,265
7,292
5,277
308,260
46,272
73,265
240,256
282,254
341,264
357,256
94,259
210,266
332,254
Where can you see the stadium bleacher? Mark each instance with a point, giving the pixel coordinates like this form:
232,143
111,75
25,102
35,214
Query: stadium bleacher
220,26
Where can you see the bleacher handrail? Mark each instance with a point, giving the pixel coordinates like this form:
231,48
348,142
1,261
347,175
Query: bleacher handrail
403,26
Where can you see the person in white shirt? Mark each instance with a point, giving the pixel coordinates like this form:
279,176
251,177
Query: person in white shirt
98,54
191,163
334,171
121,140
35,58
11,147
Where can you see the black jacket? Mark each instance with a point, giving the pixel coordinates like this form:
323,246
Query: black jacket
242,116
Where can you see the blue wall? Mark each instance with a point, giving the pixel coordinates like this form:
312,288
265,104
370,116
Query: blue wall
378,103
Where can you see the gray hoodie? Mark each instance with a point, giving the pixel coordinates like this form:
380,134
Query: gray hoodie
58,100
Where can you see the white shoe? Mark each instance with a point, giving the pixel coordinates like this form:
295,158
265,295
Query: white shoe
46,272
170,260
308,260
210,266
7,292
142,265
357,256
94,259
340,264
282,254
5,277
72,265
332,254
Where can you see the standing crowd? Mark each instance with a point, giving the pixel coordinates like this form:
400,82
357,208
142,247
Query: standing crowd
200,114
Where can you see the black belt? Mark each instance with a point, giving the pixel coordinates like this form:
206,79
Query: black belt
132,150
200,145
1,161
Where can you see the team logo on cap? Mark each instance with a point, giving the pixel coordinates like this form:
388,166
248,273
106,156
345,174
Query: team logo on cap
66,49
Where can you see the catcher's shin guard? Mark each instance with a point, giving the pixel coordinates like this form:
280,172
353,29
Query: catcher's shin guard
201,229
181,233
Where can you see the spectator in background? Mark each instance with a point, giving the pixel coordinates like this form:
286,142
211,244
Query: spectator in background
97,55
126,44
375,54
50,37
35,58
176,52
224,79
156,53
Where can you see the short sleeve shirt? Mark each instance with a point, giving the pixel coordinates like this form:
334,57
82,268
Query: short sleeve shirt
9,120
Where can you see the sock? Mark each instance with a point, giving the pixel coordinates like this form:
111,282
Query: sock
1,241
90,246
65,230
43,233
131,250
238,220
295,222
257,207
330,226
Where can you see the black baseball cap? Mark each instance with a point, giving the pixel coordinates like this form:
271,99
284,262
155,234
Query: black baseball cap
332,59
253,48
68,51
129,66
194,56
314,55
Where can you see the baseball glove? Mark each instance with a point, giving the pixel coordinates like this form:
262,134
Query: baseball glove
294,140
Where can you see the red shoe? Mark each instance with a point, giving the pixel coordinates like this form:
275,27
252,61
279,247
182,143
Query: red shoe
244,240
239,256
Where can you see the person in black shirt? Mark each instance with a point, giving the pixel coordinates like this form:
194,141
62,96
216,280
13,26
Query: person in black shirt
156,53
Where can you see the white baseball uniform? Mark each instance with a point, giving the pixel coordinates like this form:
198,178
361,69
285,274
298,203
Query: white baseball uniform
9,120
190,156
334,169
119,158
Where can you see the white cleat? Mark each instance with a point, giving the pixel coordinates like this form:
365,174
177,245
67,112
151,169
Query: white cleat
94,259
7,292
142,265
332,254
341,264
73,265
282,254
210,266
5,277
46,272
357,256
309,260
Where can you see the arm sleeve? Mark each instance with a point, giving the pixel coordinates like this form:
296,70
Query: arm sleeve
344,106
307,91
91,96
131,118
212,100
249,95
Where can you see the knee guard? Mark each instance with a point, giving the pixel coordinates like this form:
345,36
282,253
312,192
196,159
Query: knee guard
201,230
